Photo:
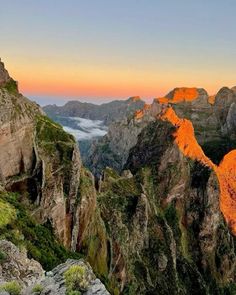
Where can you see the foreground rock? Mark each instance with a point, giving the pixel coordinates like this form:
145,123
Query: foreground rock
28,274
16,266
54,282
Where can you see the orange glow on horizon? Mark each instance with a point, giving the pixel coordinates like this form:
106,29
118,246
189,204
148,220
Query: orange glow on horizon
46,78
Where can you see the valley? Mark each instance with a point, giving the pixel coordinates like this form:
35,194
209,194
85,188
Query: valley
150,209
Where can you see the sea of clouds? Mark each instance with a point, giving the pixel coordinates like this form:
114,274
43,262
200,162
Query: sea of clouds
86,129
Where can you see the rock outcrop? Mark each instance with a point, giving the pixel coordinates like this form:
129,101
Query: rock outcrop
112,150
40,160
54,282
4,76
16,266
29,275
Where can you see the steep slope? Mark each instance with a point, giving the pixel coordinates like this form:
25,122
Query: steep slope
164,226
41,162
112,150
225,171
179,190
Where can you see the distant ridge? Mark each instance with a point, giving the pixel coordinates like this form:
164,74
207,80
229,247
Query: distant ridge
106,112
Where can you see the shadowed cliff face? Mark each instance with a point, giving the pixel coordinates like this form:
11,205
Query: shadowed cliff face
185,139
227,178
42,163
4,76
193,103
184,192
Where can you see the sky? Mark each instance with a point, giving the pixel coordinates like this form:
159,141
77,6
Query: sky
98,50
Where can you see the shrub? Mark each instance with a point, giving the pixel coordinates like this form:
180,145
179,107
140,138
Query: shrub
75,279
39,240
7,213
11,86
13,288
37,289
2,256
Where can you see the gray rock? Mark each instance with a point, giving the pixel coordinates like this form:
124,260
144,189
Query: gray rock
4,76
55,283
17,266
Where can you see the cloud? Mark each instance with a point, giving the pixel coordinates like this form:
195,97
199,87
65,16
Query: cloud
87,129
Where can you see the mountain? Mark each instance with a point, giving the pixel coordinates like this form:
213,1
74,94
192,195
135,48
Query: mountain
106,112
88,122
214,126
159,220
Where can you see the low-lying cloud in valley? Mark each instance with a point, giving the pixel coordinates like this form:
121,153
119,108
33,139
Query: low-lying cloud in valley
84,129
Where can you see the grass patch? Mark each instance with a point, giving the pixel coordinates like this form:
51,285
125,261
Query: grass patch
38,239
7,213
37,289
75,279
11,86
13,288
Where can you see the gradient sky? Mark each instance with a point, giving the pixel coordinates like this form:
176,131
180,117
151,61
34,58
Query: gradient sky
102,49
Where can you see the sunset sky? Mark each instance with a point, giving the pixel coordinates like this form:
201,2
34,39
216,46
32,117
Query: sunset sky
98,50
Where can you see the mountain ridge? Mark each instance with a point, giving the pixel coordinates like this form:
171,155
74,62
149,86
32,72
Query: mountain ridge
106,112
150,223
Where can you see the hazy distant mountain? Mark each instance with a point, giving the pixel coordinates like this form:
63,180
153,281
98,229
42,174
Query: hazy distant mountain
88,122
106,112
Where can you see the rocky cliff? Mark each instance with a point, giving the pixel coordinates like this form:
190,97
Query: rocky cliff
159,220
175,188
47,199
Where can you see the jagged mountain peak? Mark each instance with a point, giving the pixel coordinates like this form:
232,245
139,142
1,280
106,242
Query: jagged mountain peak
233,88
180,94
134,98
4,75
225,96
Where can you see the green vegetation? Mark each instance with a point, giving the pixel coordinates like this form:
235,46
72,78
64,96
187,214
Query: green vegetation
7,213
75,279
37,289
54,140
2,256
11,86
49,131
39,240
13,288
57,147
86,186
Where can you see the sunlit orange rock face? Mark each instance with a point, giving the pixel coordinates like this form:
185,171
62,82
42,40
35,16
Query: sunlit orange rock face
135,98
162,100
139,114
185,138
147,107
226,171
211,99
180,94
